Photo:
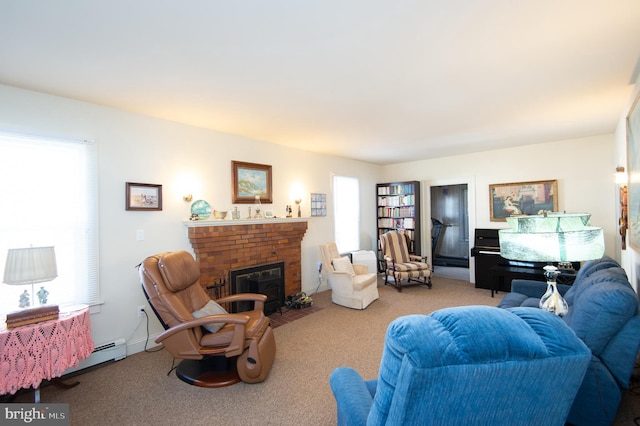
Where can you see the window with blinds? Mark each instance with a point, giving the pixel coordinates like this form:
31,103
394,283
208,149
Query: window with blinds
346,204
49,197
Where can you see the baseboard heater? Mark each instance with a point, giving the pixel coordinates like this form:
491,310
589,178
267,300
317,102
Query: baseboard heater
112,351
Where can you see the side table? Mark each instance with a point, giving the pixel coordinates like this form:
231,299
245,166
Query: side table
32,353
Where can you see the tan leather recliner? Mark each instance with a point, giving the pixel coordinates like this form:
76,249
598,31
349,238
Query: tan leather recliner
171,282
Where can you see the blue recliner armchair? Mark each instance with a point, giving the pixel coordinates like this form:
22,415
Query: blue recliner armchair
468,365
603,313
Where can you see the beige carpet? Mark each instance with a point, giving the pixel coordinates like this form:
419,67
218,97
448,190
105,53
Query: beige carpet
137,390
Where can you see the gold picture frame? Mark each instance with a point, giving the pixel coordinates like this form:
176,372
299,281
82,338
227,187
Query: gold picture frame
249,180
508,199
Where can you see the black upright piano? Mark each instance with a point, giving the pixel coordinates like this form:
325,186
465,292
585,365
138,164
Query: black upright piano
494,272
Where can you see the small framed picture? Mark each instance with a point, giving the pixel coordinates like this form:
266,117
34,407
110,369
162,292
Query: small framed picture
143,196
318,204
268,214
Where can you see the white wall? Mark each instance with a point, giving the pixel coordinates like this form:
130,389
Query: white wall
135,148
583,167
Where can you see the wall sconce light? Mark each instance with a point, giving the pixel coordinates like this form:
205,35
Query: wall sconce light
621,181
187,183
297,193
298,201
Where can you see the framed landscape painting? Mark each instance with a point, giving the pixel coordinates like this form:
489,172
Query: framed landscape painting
249,180
507,199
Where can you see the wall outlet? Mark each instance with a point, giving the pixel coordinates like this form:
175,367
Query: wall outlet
140,311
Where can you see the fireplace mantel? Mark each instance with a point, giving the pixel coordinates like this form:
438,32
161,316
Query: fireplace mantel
225,245
230,222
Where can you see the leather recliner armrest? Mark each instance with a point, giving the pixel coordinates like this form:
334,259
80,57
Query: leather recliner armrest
259,299
179,339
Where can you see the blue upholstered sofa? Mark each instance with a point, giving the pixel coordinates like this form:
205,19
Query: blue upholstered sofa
473,365
603,313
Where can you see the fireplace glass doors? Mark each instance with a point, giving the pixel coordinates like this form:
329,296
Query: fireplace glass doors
263,279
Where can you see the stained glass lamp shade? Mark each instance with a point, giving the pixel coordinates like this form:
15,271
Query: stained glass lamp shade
553,237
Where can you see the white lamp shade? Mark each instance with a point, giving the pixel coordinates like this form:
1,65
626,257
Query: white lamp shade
30,265
556,237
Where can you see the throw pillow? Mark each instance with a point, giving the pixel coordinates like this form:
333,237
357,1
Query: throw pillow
211,308
343,264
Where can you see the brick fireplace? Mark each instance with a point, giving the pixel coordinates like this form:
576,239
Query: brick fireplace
226,245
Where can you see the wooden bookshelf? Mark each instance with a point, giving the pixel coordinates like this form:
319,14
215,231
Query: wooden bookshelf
398,208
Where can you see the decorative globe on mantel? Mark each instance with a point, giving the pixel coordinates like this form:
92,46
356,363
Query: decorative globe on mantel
201,208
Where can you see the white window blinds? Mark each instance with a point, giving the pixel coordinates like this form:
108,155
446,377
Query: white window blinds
49,197
346,202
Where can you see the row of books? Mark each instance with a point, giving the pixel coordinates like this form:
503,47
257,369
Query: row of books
401,223
396,211
396,189
398,200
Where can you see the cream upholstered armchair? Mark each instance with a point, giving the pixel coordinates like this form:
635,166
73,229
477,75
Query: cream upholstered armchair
353,286
400,264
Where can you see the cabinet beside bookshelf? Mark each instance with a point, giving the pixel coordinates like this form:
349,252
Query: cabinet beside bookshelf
398,208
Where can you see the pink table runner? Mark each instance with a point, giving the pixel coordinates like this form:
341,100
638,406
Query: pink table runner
42,351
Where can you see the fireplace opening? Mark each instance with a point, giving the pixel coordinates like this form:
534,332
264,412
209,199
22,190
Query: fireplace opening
264,279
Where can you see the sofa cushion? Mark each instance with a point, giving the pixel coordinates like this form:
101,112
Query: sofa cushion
602,304
586,270
621,352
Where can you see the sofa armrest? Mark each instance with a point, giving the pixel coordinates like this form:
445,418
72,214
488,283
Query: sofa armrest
532,288
620,354
529,288
352,395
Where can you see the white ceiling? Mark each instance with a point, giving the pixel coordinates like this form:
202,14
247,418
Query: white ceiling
383,81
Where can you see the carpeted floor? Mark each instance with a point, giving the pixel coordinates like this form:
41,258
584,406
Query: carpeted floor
289,315
137,390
